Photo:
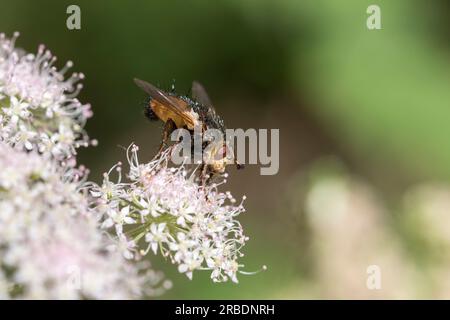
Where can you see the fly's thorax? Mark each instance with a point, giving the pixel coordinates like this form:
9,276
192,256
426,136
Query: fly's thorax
208,116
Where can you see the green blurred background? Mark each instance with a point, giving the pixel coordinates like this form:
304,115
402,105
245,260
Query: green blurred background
364,119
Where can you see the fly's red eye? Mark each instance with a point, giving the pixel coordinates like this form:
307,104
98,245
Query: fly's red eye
222,153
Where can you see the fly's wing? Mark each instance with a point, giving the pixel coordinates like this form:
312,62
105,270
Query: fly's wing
199,94
167,101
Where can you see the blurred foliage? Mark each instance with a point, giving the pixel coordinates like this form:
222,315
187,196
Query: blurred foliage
385,93
378,100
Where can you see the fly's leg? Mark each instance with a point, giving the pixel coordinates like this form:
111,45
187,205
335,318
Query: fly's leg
239,166
204,174
169,127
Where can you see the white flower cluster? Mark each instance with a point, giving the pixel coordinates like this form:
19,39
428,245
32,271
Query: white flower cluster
50,244
38,107
163,209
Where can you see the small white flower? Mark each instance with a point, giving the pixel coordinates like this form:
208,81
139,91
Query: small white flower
192,261
125,246
118,218
156,235
16,110
24,137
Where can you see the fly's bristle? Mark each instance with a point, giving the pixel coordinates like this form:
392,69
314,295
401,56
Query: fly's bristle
148,112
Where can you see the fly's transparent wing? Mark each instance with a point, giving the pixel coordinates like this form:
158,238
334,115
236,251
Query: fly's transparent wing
199,94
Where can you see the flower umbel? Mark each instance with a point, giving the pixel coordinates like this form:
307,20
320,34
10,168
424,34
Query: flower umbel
51,245
38,106
162,209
